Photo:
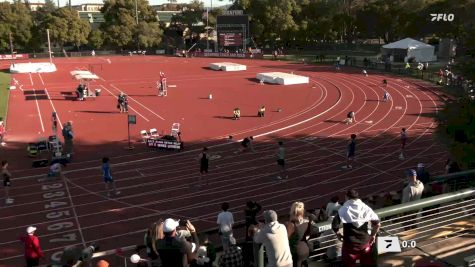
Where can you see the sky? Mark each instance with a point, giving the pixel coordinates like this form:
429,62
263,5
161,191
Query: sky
207,3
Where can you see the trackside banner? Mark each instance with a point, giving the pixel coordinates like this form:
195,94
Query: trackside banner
230,55
14,56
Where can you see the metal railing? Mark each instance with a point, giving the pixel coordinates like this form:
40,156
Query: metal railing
427,214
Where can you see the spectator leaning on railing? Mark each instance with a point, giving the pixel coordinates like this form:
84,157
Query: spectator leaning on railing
273,236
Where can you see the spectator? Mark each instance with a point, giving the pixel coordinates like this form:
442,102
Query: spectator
232,255
332,205
154,233
357,243
210,250
33,251
298,229
273,236
102,263
413,190
175,250
6,175
202,259
54,122
225,221
328,240
251,211
422,174
451,166
250,248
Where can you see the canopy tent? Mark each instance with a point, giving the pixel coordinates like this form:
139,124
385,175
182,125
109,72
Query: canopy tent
84,75
405,49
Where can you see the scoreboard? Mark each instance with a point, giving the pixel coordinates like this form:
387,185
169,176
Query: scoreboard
230,39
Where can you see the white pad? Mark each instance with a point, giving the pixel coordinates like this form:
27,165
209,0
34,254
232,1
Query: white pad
38,67
227,66
282,78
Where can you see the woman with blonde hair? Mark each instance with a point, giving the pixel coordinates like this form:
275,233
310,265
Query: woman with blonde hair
154,233
298,230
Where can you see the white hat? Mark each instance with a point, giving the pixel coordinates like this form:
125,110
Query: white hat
30,230
420,165
170,225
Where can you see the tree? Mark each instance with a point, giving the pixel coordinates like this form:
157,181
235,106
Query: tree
66,27
15,19
39,24
190,18
121,29
96,39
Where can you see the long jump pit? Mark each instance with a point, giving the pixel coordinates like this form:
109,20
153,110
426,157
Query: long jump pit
281,78
227,66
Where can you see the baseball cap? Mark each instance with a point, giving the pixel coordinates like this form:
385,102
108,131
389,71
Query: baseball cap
170,225
420,165
411,172
30,230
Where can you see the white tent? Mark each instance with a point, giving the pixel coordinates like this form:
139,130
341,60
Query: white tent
407,48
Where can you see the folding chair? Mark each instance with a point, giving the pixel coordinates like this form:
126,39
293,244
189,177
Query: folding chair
154,133
144,135
175,129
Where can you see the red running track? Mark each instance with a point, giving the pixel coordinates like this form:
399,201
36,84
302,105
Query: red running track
157,184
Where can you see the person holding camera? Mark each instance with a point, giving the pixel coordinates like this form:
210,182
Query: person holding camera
174,249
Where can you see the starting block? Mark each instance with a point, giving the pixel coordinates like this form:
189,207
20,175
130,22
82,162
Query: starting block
282,78
227,66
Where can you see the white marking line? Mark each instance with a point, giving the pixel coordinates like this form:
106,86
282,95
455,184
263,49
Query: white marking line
151,111
398,107
37,106
74,212
129,105
52,105
172,86
41,78
300,122
31,79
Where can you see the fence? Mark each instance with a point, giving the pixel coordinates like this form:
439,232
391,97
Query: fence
432,213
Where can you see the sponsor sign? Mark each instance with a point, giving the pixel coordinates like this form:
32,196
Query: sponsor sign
163,144
230,55
14,56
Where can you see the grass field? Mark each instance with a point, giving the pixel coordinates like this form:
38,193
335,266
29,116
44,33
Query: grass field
4,92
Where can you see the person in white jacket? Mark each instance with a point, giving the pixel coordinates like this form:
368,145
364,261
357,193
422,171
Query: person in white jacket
273,235
413,191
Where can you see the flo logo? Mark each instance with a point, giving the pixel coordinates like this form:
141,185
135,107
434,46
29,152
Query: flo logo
442,17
